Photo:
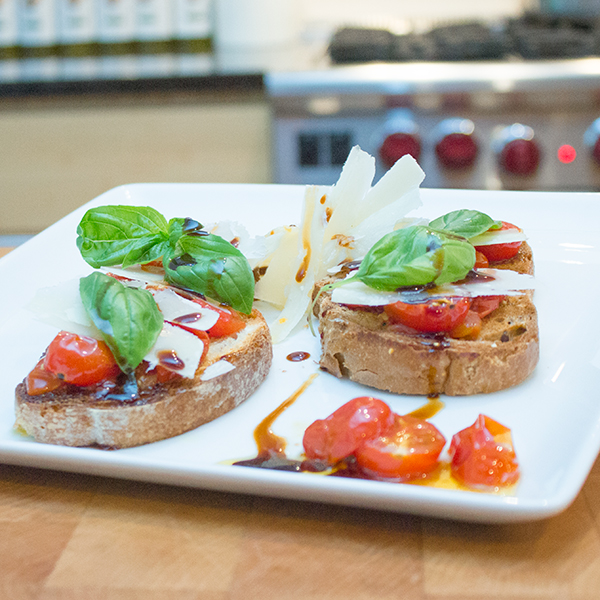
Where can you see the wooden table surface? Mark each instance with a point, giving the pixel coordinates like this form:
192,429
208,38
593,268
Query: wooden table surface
67,536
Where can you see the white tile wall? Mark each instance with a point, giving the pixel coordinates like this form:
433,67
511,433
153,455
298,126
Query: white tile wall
358,11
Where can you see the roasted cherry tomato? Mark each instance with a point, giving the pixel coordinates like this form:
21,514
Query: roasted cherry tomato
485,305
407,450
481,261
498,252
469,328
482,455
437,315
40,381
229,321
80,360
341,433
481,306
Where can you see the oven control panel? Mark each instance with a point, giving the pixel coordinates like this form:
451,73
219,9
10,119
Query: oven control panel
529,150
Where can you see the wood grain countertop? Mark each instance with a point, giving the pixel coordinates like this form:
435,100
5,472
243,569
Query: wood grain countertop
65,536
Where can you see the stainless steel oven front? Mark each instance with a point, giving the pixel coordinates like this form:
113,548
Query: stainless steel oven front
481,125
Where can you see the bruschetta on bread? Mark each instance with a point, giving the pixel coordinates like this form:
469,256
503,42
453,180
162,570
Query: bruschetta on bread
108,415
162,343
470,330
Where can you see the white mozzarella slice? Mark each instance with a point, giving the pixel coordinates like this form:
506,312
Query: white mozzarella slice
498,236
181,310
504,283
179,346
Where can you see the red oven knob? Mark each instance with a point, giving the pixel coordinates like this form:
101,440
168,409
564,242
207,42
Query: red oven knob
457,149
396,145
518,153
520,157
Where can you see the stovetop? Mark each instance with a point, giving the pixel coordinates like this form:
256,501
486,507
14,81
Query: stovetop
532,36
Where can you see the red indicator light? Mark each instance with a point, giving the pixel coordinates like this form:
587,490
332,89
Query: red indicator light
566,154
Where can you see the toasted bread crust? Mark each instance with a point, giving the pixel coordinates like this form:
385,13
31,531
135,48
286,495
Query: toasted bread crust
162,411
363,346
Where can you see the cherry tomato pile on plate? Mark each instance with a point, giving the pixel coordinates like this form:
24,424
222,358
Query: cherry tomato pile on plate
405,448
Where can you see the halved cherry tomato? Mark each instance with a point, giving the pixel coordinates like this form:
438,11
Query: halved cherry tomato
482,455
485,305
40,381
229,321
481,261
407,450
498,252
437,315
341,433
481,306
80,360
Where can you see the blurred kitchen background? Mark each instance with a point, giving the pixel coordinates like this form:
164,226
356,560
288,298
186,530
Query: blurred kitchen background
99,93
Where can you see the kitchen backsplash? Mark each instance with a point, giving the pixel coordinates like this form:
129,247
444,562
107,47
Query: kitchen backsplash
358,12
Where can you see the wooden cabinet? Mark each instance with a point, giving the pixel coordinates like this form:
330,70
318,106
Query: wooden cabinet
57,154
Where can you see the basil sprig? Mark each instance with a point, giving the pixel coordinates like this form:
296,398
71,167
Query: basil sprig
466,223
192,257
412,256
128,318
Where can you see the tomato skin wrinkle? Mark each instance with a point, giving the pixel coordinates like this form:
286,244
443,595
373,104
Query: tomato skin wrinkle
339,435
80,360
500,252
482,455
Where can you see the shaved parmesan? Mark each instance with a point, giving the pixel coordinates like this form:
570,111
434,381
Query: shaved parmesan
503,283
180,345
498,236
253,248
271,287
60,306
216,369
184,311
339,223
139,274
300,279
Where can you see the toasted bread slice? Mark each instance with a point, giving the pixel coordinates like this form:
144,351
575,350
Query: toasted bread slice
362,345
74,416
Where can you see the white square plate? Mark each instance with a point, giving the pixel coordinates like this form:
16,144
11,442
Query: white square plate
554,415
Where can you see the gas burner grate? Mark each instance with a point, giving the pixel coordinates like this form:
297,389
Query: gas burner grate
532,36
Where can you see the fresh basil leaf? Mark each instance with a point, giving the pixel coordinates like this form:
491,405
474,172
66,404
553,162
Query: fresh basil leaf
115,235
415,255
466,223
145,250
179,227
210,265
459,258
128,318
408,256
